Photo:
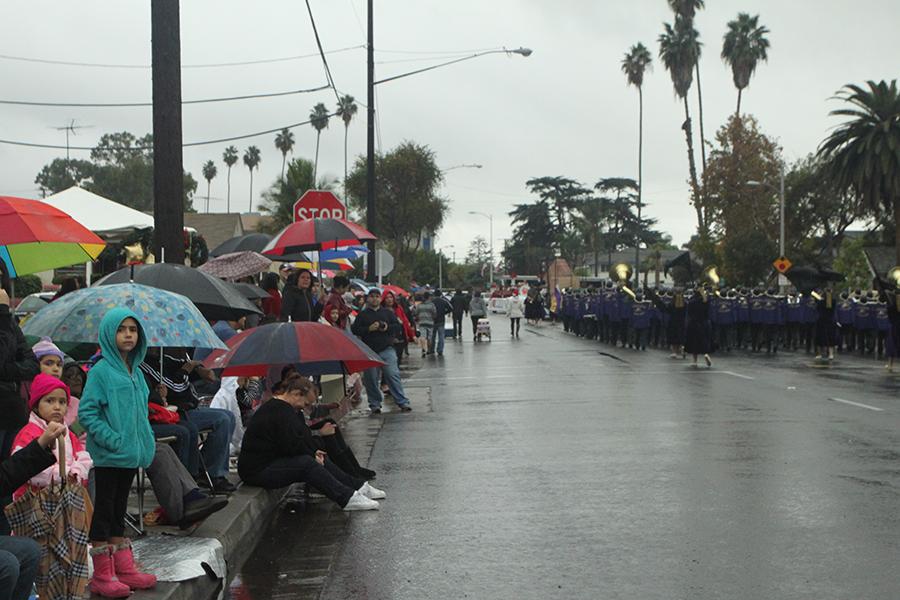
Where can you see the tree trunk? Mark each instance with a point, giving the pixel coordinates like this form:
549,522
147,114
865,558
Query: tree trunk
251,190
637,242
700,106
346,131
228,201
168,167
692,167
283,162
208,183
596,262
316,165
737,113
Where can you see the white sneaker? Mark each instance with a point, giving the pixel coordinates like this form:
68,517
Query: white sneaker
360,502
372,492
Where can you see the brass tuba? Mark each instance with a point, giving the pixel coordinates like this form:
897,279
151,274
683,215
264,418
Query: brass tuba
711,275
894,277
621,274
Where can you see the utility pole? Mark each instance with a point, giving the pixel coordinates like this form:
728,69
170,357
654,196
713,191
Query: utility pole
168,169
371,219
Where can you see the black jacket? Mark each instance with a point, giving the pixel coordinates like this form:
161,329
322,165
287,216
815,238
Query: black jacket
277,430
442,307
460,304
377,340
22,466
298,305
17,364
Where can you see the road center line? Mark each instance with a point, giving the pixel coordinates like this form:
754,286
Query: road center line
859,404
733,374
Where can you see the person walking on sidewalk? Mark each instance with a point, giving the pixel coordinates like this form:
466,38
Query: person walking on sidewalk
442,308
477,310
379,328
460,304
515,310
425,317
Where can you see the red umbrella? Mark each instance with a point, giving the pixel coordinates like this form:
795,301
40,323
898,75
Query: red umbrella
316,348
35,236
396,289
316,234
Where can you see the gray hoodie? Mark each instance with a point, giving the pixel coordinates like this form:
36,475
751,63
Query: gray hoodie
477,307
425,313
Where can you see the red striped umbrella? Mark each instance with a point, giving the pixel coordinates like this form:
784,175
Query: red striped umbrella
317,349
316,234
35,236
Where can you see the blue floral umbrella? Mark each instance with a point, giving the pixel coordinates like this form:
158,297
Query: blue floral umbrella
168,319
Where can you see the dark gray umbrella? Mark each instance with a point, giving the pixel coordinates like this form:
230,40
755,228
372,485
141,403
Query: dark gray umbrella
250,291
254,242
214,298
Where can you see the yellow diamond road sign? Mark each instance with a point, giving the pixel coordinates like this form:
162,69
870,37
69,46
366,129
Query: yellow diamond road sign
782,264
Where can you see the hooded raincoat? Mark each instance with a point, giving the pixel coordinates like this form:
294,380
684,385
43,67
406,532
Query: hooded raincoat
113,406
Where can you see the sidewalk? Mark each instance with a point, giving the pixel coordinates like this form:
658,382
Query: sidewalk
244,522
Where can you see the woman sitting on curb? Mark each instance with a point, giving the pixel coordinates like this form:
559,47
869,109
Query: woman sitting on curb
279,449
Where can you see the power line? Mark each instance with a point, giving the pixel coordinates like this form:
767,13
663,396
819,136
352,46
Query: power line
322,52
68,63
184,145
144,104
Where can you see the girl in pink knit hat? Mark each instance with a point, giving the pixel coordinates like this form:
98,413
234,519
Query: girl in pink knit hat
49,403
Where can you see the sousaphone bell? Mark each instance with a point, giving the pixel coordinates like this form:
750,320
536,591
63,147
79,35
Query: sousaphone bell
621,274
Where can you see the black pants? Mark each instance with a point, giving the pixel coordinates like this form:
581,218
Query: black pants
111,503
457,324
514,323
339,452
475,325
329,480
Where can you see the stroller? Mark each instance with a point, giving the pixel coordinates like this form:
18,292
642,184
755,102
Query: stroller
483,329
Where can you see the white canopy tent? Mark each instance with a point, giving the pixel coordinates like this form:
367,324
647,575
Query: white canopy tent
108,219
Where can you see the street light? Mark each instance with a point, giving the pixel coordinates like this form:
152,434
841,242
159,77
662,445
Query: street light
780,191
441,265
371,223
491,219
463,166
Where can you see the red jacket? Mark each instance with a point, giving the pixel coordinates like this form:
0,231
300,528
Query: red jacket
408,329
272,305
335,300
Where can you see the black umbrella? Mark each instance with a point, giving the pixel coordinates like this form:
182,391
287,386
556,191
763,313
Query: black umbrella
682,260
250,291
807,279
214,298
252,241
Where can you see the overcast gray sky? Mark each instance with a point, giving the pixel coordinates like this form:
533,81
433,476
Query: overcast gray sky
563,111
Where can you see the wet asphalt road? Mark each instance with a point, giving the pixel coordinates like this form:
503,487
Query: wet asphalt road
542,468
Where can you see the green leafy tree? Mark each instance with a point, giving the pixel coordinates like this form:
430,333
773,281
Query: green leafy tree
61,174
407,182
590,223
230,158
745,44
252,159
278,201
318,118
284,142
209,173
346,110
121,169
533,238
679,50
863,154
562,195
478,252
851,262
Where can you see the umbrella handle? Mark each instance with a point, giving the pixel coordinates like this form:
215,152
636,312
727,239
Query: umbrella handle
61,450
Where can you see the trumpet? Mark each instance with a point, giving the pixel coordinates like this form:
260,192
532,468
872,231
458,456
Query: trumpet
621,273
711,275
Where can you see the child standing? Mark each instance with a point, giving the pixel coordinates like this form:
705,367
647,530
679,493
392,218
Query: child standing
113,410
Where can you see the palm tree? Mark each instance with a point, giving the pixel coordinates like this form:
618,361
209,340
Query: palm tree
346,110
633,65
862,154
252,160
744,46
679,50
687,9
284,141
318,118
209,173
230,156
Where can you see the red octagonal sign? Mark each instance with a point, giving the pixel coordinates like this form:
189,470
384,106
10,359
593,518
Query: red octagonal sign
319,204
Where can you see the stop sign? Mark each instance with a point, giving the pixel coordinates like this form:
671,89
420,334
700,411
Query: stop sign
318,204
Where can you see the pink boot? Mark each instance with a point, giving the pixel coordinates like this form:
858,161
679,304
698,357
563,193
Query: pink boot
104,581
127,572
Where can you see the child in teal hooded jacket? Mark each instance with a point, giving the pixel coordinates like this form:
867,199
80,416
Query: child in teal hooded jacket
113,410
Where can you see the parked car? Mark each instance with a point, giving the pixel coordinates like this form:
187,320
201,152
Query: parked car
31,304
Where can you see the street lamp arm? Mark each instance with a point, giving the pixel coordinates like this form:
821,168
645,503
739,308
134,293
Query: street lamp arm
521,51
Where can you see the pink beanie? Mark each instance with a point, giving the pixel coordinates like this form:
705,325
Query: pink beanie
45,347
43,385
